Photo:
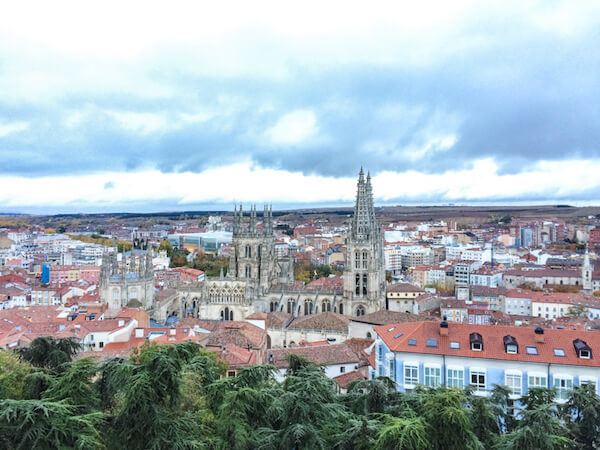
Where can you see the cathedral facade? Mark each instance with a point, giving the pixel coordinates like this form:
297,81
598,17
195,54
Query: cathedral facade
127,279
257,280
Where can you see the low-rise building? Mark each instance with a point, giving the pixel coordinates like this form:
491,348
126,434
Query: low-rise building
483,356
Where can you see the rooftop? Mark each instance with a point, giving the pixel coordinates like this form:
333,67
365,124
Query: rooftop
414,338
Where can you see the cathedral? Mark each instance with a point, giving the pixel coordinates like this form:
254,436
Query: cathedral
127,279
257,280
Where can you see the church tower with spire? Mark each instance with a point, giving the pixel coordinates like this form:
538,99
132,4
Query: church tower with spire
364,277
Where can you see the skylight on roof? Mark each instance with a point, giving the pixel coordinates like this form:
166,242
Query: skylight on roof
531,350
412,341
397,335
559,352
431,343
391,329
454,344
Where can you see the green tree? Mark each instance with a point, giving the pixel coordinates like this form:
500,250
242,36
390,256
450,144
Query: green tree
307,412
403,434
539,429
583,416
13,372
165,245
50,353
449,422
42,424
75,386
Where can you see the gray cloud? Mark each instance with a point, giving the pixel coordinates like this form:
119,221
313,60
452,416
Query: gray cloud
521,96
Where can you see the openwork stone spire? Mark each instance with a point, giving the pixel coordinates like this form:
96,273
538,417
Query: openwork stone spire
363,222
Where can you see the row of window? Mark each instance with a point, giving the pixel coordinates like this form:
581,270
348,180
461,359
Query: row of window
357,260
455,378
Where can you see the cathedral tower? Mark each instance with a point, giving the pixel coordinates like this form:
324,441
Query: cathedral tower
254,254
364,277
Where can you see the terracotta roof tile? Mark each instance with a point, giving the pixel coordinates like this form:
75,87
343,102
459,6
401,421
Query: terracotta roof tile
324,321
396,337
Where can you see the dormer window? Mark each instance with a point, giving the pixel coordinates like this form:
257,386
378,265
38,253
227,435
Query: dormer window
582,349
476,342
510,345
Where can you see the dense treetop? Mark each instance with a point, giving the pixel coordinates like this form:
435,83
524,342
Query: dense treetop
175,396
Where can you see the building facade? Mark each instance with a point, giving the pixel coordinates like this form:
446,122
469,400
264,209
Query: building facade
459,355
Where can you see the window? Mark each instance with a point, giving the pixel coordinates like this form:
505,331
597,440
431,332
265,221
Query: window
342,369
433,376
391,366
584,354
476,346
563,385
514,382
583,380
512,349
559,352
411,374
231,373
456,378
531,350
454,345
431,343
380,352
478,379
412,342
537,381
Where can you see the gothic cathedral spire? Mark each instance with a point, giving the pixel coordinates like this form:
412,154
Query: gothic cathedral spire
364,277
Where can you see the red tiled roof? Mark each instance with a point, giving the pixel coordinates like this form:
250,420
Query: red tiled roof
323,355
403,287
345,379
493,344
384,316
324,321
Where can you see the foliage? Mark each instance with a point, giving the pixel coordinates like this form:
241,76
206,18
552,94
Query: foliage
42,424
13,373
306,271
211,265
175,396
50,353
403,434
179,257
583,416
540,428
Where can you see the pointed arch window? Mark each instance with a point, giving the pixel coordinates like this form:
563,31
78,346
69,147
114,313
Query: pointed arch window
364,284
360,311
227,314
365,259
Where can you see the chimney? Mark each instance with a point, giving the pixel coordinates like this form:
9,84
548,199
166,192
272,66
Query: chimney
539,334
444,327
173,331
139,332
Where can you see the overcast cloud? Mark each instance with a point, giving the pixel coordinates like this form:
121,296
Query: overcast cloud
177,105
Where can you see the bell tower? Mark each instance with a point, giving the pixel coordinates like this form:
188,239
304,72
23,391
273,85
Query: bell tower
364,277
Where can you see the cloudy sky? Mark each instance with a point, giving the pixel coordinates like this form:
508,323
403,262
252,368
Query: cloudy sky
130,106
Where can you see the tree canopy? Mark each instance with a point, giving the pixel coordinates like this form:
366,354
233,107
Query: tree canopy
175,396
